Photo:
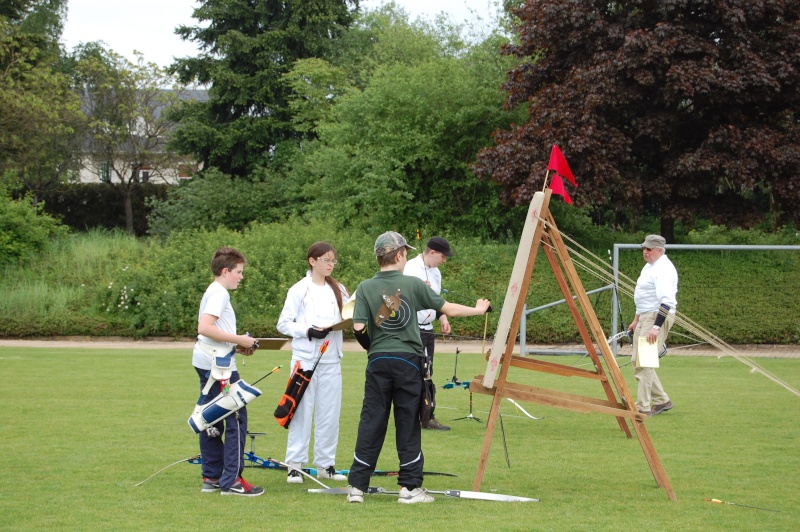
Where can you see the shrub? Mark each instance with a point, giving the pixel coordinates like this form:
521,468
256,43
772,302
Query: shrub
25,229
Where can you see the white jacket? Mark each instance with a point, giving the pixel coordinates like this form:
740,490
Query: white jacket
301,311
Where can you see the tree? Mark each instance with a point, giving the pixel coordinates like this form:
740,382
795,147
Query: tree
246,49
676,106
40,116
396,144
127,106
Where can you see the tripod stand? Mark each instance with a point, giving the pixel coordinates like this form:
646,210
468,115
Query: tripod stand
455,382
469,416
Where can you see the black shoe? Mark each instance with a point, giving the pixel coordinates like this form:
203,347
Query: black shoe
243,488
434,424
210,485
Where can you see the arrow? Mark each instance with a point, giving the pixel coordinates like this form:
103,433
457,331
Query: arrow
460,494
717,501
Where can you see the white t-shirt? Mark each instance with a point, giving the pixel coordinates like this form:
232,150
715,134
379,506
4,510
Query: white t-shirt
216,302
416,268
657,284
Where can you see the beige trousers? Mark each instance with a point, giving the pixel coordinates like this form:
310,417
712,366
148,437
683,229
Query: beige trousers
650,391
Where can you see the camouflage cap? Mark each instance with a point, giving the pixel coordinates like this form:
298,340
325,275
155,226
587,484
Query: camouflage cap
389,242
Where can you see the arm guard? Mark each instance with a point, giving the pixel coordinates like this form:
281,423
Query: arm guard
662,315
363,338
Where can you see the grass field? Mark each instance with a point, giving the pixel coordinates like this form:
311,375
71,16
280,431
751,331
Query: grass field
80,427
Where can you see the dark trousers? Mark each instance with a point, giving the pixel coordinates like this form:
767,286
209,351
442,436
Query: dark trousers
428,341
223,459
391,379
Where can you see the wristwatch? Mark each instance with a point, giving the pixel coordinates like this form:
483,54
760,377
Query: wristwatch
657,327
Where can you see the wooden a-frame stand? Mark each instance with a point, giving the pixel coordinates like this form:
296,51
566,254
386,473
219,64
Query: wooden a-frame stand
540,231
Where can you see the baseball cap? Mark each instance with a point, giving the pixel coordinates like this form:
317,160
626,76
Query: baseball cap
389,242
654,241
441,245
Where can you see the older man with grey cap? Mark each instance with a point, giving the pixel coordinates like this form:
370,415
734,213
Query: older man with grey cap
655,299
385,322
426,267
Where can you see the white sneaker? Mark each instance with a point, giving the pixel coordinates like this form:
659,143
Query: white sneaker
294,476
355,495
330,473
414,496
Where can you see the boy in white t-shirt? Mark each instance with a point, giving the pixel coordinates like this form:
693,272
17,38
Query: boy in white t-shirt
216,331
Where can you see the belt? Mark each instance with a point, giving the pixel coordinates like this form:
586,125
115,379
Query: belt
213,350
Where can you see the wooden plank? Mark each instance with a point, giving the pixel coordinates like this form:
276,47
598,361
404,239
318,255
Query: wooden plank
553,368
568,401
517,287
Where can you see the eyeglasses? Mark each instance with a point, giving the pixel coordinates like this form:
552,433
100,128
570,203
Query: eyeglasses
329,261
646,249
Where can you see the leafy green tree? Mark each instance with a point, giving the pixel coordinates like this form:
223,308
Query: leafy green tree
127,106
677,107
247,48
40,116
397,152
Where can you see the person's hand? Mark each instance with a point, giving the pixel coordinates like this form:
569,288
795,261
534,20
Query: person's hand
484,305
652,335
445,323
245,341
316,332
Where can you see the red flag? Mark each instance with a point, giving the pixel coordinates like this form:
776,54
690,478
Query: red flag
557,186
559,164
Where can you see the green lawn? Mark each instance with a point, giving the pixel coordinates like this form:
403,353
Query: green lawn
81,427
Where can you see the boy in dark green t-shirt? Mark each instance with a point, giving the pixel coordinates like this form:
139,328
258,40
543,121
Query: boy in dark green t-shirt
385,321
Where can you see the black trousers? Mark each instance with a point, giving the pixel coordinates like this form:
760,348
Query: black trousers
392,379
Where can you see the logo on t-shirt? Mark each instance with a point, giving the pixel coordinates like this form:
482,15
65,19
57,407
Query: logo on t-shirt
395,312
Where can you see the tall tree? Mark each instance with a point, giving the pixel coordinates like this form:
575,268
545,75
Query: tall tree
674,106
40,116
127,106
246,48
398,141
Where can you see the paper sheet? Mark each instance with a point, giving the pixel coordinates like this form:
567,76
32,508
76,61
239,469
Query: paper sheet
646,353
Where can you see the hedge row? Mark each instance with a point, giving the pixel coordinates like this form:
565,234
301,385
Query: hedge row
110,284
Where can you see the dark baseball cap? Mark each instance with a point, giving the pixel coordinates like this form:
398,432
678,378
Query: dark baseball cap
441,245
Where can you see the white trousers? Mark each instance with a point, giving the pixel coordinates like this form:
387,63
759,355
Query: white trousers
322,402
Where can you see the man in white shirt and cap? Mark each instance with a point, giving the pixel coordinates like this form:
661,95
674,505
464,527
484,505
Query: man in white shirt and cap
655,299
426,267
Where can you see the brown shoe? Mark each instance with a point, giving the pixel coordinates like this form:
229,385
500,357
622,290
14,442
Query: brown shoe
657,409
647,413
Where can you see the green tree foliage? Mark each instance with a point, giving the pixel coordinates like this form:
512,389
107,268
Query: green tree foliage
127,106
247,48
45,18
674,106
216,200
25,229
40,116
397,152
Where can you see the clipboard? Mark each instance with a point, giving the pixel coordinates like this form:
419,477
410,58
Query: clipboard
271,344
347,314
646,353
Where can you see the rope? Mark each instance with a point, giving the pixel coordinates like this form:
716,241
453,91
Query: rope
600,269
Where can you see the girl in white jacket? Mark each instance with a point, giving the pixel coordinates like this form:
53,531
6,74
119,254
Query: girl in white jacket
312,306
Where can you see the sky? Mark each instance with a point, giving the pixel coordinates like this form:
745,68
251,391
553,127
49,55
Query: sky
148,26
